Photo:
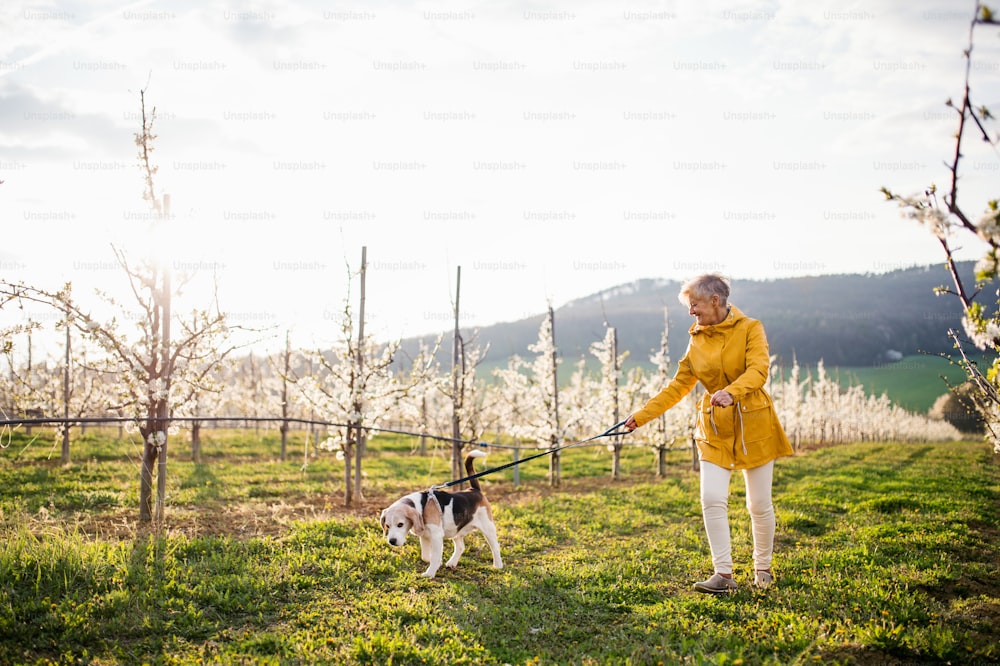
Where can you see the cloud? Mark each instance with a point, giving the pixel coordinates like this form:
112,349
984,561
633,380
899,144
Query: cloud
48,128
552,149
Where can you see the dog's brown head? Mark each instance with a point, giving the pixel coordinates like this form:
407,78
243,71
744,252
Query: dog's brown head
398,519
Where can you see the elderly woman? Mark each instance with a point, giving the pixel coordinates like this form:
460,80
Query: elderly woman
738,428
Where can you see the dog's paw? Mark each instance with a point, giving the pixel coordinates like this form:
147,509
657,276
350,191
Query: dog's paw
429,574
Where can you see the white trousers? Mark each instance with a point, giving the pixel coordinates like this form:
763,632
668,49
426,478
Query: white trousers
715,509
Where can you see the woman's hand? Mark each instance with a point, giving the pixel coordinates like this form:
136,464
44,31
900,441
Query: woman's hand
721,399
630,424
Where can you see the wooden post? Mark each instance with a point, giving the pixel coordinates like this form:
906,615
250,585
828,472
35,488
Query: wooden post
27,379
423,423
616,441
163,421
287,369
312,425
664,367
360,436
555,459
66,392
456,399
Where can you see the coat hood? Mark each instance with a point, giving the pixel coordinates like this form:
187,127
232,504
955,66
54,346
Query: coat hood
735,315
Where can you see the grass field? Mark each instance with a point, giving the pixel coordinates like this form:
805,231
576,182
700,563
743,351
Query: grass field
913,382
886,554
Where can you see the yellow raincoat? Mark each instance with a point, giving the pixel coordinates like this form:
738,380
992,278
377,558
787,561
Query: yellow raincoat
731,355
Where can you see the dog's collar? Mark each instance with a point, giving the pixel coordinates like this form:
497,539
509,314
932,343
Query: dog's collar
431,494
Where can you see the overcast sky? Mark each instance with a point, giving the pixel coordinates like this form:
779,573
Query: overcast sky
549,149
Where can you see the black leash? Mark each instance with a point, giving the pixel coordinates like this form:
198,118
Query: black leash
610,432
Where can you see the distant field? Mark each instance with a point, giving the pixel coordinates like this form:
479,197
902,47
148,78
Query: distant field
914,382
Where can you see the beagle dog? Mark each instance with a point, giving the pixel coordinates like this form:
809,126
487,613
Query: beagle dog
436,515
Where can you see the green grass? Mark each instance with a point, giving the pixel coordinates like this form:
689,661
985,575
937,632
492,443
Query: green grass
886,553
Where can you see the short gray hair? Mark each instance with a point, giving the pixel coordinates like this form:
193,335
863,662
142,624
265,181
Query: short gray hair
705,286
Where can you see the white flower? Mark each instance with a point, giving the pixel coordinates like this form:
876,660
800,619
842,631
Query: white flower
157,439
988,226
987,265
935,219
984,337
156,389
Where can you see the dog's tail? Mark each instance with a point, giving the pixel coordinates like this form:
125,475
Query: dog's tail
470,468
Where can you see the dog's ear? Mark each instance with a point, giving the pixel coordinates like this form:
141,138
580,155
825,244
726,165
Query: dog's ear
381,520
416,519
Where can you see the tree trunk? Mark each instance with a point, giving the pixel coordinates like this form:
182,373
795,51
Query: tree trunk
555,469
305,447
348,461
146,476
196,441
358,455
517,468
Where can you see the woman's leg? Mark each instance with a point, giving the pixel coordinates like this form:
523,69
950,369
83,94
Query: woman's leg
759,504
715,510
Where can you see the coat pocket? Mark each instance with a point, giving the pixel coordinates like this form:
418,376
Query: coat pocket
717,422
758,419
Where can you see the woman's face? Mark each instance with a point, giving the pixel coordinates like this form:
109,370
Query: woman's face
706,311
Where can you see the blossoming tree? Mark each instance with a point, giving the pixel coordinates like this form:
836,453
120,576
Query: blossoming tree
156,370
949,219
355,386
606,351
530,391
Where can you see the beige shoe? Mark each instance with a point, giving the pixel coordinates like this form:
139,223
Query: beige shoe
717,584
762,579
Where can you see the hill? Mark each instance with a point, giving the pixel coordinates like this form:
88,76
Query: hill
849,320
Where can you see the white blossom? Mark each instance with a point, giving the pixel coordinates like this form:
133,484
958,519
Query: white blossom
984,334
988,226
988,264
157,439
332,443
923,210
157,389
